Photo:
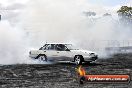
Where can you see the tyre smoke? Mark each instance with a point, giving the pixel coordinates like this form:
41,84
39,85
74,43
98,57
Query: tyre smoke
41,21
66,21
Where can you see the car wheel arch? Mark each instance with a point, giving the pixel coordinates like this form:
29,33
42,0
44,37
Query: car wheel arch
41,55
80,56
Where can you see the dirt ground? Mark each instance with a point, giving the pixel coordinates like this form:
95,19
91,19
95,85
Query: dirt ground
64,75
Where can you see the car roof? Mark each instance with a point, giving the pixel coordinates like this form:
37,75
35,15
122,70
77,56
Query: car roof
59,43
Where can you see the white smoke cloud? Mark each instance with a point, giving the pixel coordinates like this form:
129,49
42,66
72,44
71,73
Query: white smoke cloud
12,44
8,2
57,21
14,48
64,21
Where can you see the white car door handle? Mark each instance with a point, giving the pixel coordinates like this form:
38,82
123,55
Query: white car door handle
57,52
44,51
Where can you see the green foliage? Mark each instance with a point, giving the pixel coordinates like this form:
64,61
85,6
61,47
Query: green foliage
125,11
125,14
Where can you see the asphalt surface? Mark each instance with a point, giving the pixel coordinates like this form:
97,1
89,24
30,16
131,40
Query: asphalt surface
64,75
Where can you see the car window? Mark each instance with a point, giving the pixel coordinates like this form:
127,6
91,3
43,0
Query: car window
43,48
60,47
49,47
52,47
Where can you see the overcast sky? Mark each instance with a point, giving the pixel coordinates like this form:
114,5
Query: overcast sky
110,2
102,2
8,5
9,2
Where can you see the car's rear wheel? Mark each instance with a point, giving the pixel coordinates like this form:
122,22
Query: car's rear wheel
42,58
78,60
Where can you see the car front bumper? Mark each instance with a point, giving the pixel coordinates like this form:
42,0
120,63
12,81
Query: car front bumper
90,58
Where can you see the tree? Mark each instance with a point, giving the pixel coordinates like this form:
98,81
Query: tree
107,14
125,14
89,13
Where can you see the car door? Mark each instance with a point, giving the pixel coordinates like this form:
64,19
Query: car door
50,52
63,53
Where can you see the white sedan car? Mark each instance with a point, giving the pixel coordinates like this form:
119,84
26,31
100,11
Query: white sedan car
63,52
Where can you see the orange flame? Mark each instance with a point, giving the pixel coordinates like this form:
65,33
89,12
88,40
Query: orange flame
81,71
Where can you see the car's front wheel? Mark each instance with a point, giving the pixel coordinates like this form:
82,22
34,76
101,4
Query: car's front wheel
78,60
41,57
